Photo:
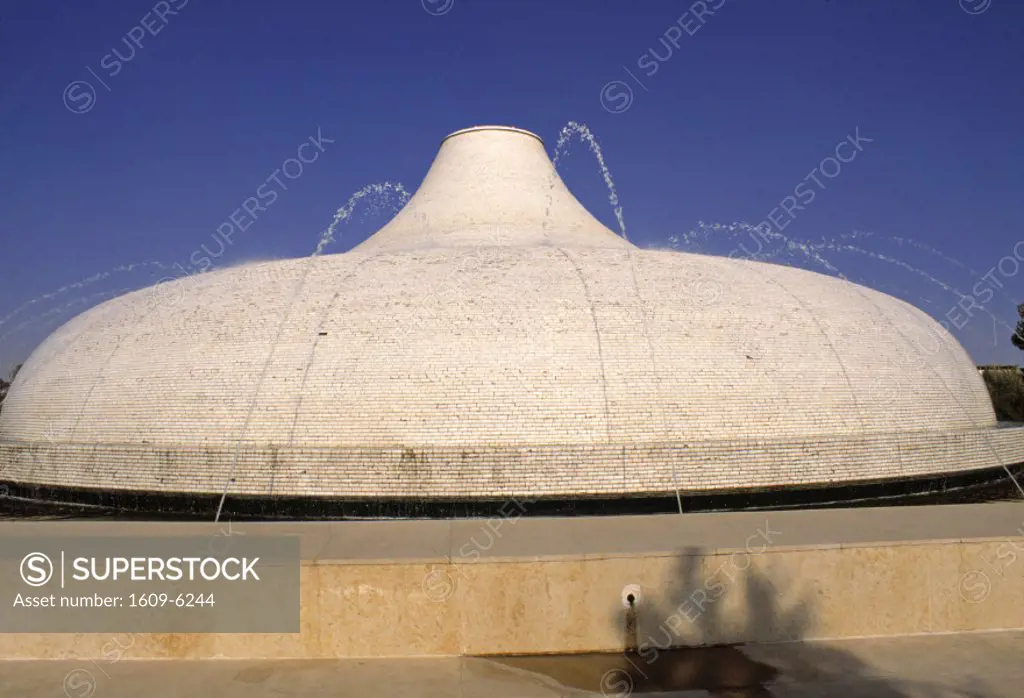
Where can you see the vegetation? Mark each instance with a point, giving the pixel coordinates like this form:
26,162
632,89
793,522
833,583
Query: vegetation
1006,387
1018,335
1006,383
6,384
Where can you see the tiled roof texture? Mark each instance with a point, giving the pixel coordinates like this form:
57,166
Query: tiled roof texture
496,339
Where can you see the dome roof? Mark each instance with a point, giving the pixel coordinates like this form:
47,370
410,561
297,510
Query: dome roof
493,186
495,339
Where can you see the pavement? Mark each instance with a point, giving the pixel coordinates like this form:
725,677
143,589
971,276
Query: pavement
976,665
516,537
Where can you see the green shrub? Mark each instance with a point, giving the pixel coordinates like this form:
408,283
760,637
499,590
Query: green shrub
1006,388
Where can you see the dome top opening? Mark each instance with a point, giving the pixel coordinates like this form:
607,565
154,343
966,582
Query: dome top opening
476,129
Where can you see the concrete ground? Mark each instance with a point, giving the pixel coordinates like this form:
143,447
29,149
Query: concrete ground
989,665
435,541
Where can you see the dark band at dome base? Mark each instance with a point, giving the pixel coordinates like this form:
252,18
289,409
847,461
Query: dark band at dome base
990,484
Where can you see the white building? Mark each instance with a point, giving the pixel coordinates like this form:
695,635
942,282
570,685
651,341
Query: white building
495,339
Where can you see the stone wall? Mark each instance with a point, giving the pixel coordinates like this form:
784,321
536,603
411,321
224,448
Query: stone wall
541,586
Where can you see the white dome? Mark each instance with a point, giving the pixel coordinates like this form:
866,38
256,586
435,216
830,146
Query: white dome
495,339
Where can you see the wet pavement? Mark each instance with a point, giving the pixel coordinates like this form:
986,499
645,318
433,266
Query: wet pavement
978,665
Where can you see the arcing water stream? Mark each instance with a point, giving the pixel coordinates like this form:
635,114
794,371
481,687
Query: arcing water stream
836,255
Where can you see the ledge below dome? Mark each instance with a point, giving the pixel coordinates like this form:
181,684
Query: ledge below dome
559,472
39,501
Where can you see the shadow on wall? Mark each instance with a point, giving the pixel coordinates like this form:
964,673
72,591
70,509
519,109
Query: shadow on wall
701,634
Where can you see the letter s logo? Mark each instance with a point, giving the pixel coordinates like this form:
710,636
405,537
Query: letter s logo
36,569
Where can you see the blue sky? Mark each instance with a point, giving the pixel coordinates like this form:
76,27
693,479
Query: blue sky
716,118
